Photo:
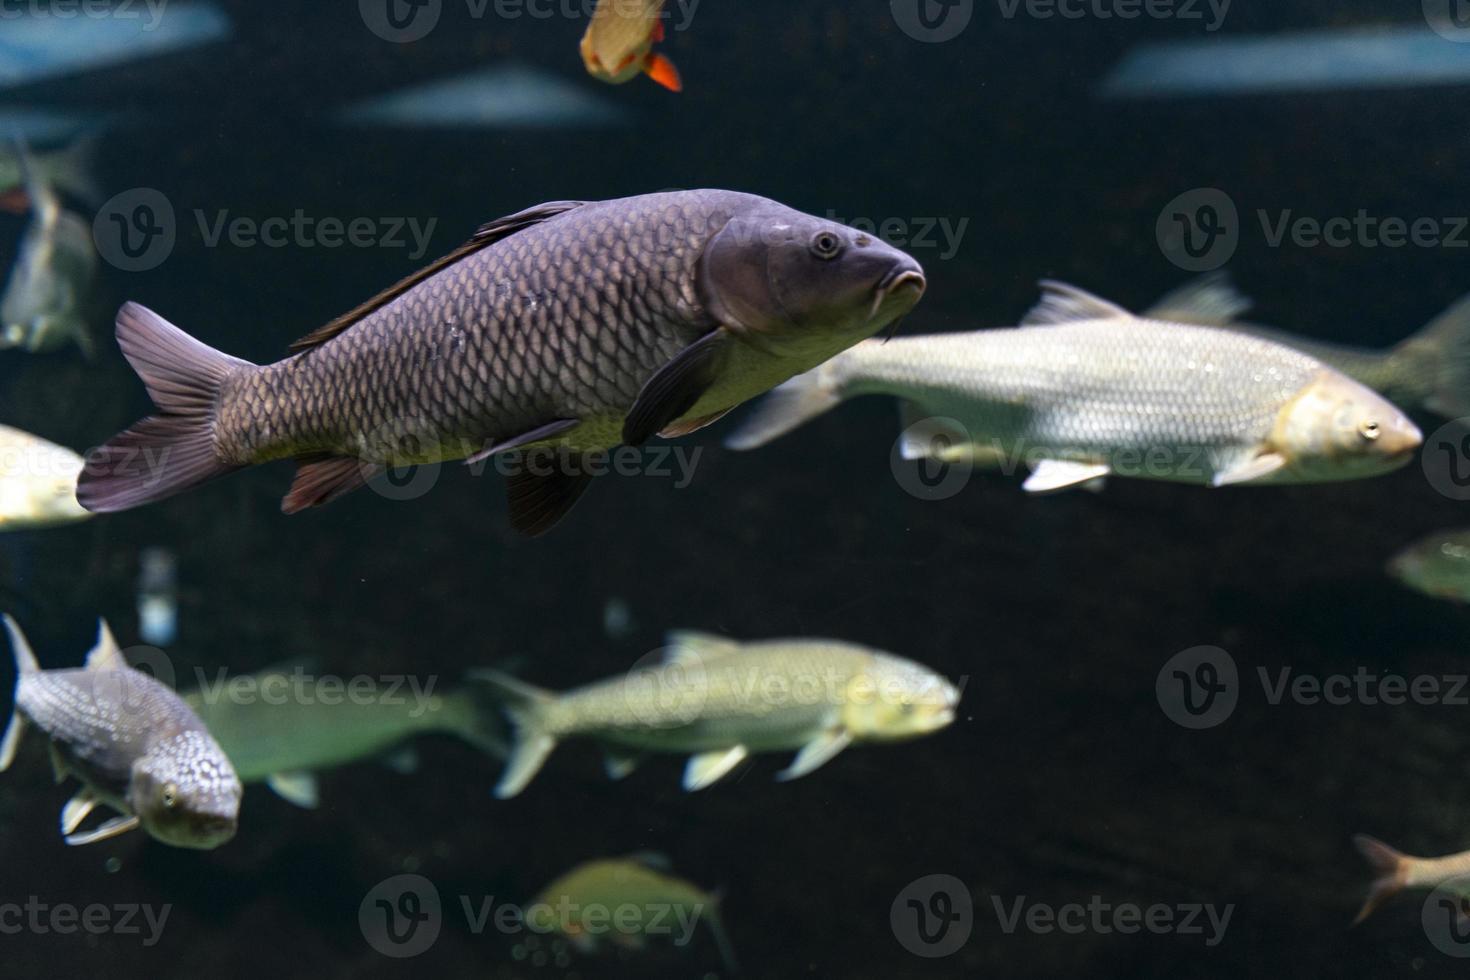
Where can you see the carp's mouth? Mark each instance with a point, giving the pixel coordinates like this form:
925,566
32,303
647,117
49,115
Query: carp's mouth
904,283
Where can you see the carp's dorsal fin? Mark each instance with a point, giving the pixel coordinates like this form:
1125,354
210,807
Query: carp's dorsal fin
1061,303
106,655
487,235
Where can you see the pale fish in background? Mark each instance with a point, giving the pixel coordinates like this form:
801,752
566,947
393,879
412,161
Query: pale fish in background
1437,565
44,306
1395,872
1429,370
158,596
68,170
284,725
627,901
1084,390
618,45
719,700
133,743
38,482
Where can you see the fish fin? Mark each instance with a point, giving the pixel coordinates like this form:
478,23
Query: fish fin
403,760
539,434
944,439
1256,468
675,388
172,451
106,654
20,648
1061,303
1390,869
483,724
787,406
1052,475
661,69
298,788
1208,301
25,663
653,860
103,831
682,646
76,810
693,425
59,769
487,235
658,34
14,732
707,768
538,502
816,753
620,765
1445,345
322,479
524,704
716,920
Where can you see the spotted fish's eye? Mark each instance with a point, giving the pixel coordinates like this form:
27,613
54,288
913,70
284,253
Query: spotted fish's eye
1369,430
170,796
826,245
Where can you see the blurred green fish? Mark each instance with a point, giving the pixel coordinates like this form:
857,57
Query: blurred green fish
1437,565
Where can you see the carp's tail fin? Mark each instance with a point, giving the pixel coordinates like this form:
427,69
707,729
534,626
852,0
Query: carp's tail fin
171,451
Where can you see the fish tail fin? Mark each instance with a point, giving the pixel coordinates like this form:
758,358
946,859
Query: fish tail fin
789,406
482,722
174,450
716,919
1442,351
1391,873
25,663
525,705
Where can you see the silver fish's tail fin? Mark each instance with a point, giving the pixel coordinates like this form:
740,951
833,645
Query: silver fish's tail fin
789,406
1391,873
525,705
173,450
481,720
25,663
716,919
1442,352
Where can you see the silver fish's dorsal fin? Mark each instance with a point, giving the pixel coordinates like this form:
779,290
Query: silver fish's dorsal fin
685,646
1211,301
106,655
487,235
1061,303
20,648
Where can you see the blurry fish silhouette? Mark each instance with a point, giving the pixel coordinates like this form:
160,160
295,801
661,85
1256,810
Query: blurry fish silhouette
1437,565
618,45
68,170
1396,872
38,482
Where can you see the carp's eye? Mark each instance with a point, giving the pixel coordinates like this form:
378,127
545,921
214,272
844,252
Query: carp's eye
1369,430
826,245
170,796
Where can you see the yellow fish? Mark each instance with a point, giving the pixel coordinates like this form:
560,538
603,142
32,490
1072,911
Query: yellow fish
618,45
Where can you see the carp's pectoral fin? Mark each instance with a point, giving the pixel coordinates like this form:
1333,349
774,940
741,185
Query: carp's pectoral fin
1052,475
298,788
538,501
815,754
619,765
110,828
675,388
538,434
76,810
1255,468
322,479
708,768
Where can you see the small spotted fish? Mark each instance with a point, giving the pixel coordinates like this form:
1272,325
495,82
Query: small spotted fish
134,744
618,45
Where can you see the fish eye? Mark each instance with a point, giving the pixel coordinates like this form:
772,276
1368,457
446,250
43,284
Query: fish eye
826,245
170,796
1369,430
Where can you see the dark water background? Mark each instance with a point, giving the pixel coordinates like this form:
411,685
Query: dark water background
1062,779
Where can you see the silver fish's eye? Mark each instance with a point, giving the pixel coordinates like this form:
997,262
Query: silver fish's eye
826,245
1369,430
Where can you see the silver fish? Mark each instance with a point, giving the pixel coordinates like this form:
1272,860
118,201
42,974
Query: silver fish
1086,390
38,482
1429,370
722,700
136,747
44,306
1394,872
285,725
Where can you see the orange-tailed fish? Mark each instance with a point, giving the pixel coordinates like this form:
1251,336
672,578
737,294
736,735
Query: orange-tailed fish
618,45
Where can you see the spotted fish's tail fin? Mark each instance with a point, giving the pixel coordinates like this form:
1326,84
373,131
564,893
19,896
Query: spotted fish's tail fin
25,663
1443,350
1391,873
525,705
171,451
790,405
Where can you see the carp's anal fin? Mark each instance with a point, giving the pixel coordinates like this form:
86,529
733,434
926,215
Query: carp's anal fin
487,235
815,754
322,479
675,388
539,502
